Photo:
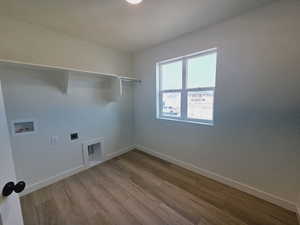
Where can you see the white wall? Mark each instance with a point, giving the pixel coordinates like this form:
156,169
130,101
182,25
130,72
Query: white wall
30,94
38,95
255,139
30,43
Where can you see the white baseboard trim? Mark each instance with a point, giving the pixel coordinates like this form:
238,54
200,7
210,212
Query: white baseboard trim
51,180
62,175
118,153
225,180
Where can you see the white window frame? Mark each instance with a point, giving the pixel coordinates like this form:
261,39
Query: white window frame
184,91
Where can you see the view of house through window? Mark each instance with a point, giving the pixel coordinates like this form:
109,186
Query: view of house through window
186,88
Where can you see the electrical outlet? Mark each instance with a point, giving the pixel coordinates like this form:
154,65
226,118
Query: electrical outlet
74,136
53,140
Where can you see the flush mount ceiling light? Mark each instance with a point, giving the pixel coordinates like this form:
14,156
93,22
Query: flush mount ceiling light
134,2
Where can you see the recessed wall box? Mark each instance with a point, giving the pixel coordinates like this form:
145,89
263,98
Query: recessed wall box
20,127
93,152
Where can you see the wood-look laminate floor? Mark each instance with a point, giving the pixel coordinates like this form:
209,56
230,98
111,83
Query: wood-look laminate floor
139,189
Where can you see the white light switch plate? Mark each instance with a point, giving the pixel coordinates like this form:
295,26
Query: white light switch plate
53,140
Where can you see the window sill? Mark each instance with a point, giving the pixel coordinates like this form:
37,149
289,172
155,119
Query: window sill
211,124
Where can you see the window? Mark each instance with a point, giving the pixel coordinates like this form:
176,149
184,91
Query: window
186,87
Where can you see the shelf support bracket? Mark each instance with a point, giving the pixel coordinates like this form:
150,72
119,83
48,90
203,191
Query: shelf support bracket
66,84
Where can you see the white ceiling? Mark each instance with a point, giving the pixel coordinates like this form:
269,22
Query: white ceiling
115,23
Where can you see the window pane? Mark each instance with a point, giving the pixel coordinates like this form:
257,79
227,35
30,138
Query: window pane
171,76
200,105
201,71
171,104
